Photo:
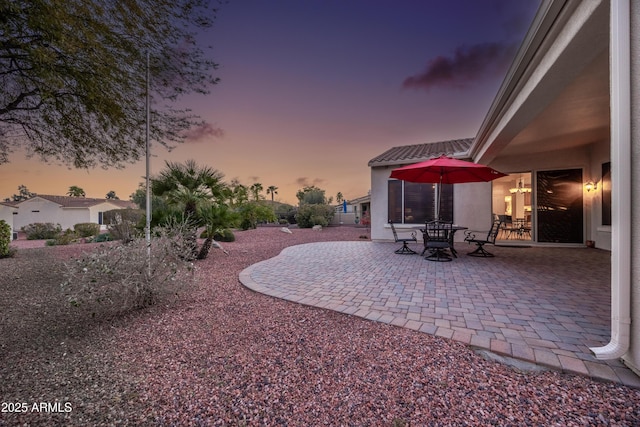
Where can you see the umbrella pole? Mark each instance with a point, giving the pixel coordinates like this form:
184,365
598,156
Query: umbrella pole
439,198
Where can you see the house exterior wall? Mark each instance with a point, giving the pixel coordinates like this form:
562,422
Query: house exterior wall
632,358
41,210
471,206
37,210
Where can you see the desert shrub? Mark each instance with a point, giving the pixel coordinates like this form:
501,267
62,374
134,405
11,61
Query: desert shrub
132,215
42,230
252,213
225,235
5,239
310,215
102,237
63,238
283,222
118,278
87,229
123,227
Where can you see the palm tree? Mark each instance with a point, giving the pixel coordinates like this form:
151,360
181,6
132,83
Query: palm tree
215,219
189,186
256,189
272,189
75,191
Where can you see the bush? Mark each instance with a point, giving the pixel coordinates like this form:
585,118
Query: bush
5,240
41,231
310,215
65,238
134,216
87,229
118,278
103,237
122,226
253,212
225,235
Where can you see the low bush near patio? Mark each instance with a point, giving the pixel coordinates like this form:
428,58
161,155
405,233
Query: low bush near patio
120,277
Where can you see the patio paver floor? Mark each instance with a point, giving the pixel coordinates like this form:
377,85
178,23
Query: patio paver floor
538,304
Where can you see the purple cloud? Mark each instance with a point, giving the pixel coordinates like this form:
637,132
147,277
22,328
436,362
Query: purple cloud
468,65
199,133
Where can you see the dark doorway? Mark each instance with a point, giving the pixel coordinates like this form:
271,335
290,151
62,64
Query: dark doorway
559,206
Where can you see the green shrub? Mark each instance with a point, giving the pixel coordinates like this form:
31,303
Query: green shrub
225,235
283,222
87,229
114,279
310,215
5,240
102,237
252,213
41,231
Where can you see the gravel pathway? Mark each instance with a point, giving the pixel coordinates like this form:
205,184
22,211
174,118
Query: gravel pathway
223,355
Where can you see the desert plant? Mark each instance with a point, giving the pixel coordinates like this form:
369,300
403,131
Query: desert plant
41,231
87,229
225,235
251,213
315,214
102,237
123,229
117,278
5,239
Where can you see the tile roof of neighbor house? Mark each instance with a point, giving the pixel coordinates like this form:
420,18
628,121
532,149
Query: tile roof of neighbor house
407,154
85,202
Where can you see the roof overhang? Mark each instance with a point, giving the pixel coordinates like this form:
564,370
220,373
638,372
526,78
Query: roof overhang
556,93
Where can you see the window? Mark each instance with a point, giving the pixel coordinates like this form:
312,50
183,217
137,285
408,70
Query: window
100,218
415,203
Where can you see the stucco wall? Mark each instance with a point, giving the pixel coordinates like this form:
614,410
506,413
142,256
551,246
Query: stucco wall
37,210
633,357
472,206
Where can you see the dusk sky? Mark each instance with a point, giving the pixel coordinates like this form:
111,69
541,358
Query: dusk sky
311,90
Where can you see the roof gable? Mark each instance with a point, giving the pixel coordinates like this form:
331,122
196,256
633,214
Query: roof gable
407,154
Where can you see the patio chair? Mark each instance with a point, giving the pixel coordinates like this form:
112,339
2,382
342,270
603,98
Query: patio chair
437,235
405,249
480,251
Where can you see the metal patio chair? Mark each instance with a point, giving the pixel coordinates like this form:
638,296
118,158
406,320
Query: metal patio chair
405,249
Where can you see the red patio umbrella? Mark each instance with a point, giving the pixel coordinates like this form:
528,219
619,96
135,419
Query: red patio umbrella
446,170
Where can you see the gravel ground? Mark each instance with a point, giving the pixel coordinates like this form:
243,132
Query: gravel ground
222,355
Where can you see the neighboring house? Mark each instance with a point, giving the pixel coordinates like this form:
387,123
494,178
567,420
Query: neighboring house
355,210
64,210
561,126
7,211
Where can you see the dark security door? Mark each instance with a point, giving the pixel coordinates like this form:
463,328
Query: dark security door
559,206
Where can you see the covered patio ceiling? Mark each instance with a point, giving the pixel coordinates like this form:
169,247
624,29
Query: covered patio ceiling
556,96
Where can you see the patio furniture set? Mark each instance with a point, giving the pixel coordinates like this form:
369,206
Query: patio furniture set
438,237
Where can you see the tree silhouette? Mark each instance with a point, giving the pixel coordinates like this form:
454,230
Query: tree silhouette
75,191
272,189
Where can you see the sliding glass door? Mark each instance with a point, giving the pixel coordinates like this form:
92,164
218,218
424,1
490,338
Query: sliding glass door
559,206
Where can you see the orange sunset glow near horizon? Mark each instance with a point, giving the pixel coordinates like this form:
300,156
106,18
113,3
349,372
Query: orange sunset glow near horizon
311,91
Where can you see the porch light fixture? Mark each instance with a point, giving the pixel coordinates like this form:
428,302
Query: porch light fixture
590,185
